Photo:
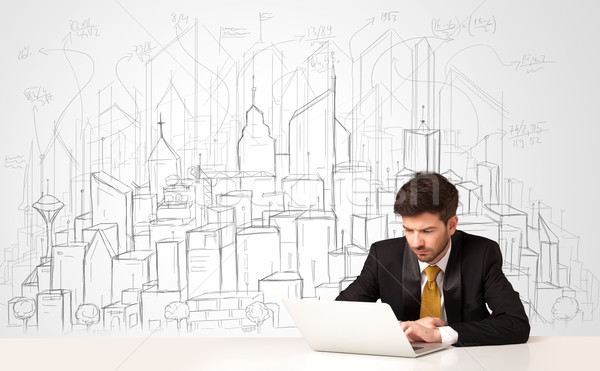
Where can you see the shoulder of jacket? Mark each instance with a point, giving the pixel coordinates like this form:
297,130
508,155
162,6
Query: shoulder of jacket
395,243
473,240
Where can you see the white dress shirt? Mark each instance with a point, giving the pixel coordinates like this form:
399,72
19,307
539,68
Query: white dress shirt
449,335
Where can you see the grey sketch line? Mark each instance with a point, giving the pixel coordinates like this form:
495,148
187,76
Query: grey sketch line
276,171
59,120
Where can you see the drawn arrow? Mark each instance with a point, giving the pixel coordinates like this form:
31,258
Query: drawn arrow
402,41
59,121
68,38
128,57
369,23
256,53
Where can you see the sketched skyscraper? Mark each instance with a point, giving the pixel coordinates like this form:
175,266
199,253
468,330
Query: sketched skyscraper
256,147
318,141
162,162
112,202
54,311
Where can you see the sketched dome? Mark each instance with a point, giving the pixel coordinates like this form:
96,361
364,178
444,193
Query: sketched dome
48,203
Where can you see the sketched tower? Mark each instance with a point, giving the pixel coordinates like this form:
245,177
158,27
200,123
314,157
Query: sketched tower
422,149
422,144
423,83
318,141
256,147
162,162
48,206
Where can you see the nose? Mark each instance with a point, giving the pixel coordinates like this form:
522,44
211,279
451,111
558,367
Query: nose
417,239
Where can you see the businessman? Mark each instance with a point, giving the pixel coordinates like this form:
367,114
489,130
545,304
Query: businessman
438,280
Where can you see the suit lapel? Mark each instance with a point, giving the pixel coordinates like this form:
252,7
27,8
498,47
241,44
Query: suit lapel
452,281
411,285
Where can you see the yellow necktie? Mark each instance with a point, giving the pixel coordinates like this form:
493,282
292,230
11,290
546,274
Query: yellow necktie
430,300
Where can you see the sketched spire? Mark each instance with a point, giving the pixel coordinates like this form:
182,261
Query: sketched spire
333,77
162,146
163,162
256,147
253,92
160,124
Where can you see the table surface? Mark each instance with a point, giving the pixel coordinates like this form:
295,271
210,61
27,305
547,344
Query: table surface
291,353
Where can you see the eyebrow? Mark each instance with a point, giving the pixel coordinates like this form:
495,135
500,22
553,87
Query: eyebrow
430,227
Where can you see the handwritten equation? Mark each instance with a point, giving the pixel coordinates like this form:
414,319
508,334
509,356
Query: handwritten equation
526,135
23,53
142,51
179,20
531,63
472,26
38,95
84,29
391,16
322,61
319,33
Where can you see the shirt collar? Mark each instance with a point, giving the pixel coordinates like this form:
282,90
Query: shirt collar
441,264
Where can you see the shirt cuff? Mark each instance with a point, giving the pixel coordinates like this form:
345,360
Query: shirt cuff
449,335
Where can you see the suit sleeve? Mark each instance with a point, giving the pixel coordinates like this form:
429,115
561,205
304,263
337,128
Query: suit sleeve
508,323
366,286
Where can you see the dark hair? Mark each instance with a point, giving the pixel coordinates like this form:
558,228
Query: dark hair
427,192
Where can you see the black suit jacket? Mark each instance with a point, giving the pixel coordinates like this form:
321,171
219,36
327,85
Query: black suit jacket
473,278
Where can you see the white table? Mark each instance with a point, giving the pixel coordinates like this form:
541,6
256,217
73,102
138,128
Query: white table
152,353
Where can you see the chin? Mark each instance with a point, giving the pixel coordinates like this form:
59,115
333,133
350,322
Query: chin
424,259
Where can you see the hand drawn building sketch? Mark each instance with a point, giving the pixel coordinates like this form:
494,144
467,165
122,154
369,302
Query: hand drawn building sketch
186,170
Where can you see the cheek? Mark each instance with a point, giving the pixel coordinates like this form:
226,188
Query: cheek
435,241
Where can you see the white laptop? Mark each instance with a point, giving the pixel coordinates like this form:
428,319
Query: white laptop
354,327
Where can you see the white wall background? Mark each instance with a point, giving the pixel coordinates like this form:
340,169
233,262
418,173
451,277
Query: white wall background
561,170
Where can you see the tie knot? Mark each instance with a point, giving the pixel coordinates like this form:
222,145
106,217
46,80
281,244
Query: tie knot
432,272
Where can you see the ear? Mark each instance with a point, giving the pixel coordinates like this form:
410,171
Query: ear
452,224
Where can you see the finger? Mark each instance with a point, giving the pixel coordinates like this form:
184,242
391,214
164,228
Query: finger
412,334
427,321
438,322
432,322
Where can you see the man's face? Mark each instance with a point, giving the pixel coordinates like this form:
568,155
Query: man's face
428,236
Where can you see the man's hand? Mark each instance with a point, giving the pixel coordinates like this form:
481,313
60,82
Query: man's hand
431,322
424,329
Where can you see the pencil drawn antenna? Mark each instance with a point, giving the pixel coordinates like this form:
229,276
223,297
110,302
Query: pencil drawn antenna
333,65
253,92
423,125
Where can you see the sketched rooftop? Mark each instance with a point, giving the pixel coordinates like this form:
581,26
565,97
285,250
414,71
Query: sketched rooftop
503,209
135,255
283,276
318,214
